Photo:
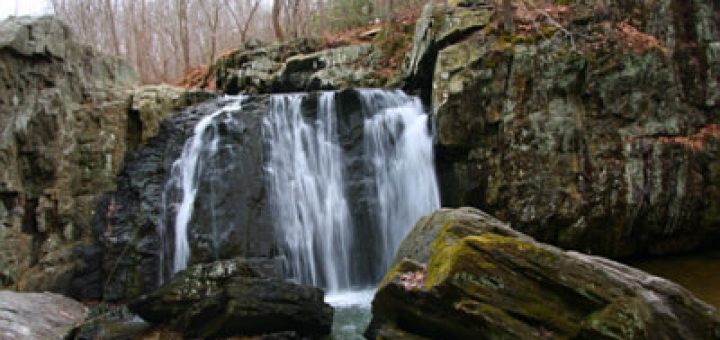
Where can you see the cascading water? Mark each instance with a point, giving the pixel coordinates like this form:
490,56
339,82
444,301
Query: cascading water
347,175
400,149
185,176
306,181
315,212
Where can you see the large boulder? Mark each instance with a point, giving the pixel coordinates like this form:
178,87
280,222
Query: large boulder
39,315
591,127
230,298
483,280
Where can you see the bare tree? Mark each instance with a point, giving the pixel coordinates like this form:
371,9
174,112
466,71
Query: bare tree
110,15
211,9
243,26
276,9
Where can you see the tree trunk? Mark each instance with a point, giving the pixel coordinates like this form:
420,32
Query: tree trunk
390,11
277,7
321,10
113,28
182,16
508,13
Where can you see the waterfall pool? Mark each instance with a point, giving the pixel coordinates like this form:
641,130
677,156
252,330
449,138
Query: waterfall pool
352,313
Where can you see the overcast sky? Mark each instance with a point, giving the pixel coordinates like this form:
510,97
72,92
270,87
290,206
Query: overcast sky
23,7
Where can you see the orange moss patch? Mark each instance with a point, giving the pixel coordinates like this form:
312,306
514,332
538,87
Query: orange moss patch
638,41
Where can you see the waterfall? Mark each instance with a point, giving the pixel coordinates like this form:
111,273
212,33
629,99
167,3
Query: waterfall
346,175
401,152
308,182
184,178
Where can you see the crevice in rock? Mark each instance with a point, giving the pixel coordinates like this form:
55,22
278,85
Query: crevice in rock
133,135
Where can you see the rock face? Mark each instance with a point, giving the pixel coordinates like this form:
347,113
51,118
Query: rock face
63,122
68,117
483,280
229,298
129,219
38,315
295,66
595,131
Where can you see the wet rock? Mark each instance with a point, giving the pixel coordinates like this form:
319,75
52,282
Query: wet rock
606,142
229,298
39,315
484,280
136,260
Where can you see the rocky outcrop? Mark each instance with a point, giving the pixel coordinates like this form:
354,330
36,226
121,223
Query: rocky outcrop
69,116
483,280
39,315
152,104
63,121
296,66
230,298
591,127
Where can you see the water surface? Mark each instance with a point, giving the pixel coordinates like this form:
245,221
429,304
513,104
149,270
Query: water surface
699,273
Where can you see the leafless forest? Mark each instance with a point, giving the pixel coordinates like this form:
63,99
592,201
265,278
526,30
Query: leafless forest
163,39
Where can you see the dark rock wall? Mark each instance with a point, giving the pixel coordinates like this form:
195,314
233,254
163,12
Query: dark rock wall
231,197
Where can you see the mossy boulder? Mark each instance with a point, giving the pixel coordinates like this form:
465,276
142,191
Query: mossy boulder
483,280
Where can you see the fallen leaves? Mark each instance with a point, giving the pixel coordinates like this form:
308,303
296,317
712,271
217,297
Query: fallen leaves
638,41
413,280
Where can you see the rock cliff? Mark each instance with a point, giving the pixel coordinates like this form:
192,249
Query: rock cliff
593,126
68,117
63,114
